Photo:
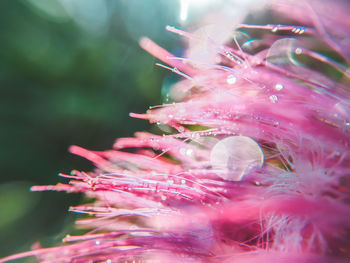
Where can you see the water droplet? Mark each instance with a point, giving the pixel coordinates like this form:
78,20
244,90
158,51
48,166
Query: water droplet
163,197
189,152
296,30
276,124
282,52
235,156
231,79
167,98
195,135
183,181
279,86
275,29
164,127
183,151
298,51
181,129
170,181
97,243
273,98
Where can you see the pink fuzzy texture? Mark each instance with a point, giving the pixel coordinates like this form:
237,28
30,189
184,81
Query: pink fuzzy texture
165,202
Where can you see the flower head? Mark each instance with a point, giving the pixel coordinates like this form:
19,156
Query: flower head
257,166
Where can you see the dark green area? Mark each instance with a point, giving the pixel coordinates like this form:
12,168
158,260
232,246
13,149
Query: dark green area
68,75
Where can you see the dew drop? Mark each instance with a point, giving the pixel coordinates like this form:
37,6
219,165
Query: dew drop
274,98
167,98
189,152
183,181
164,127
231,79
195,135
183,151
296,30
233,157
282,52
298,51
279,86
275,29
168,91
163,197
170,181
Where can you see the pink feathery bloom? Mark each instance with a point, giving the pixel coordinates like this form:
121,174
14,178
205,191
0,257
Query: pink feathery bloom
257,168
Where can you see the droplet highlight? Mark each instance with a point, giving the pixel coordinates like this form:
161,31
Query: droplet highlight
231,79
275,29
274,98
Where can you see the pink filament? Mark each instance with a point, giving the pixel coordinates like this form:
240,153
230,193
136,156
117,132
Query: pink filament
158,199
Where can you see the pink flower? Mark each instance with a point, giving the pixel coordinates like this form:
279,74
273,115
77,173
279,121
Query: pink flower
257,168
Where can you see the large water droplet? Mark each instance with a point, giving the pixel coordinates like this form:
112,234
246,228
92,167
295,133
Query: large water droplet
282,52
233,157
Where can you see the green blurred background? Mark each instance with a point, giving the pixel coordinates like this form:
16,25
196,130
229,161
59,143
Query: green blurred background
70,72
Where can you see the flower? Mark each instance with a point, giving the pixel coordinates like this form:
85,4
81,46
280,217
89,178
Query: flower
257,166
